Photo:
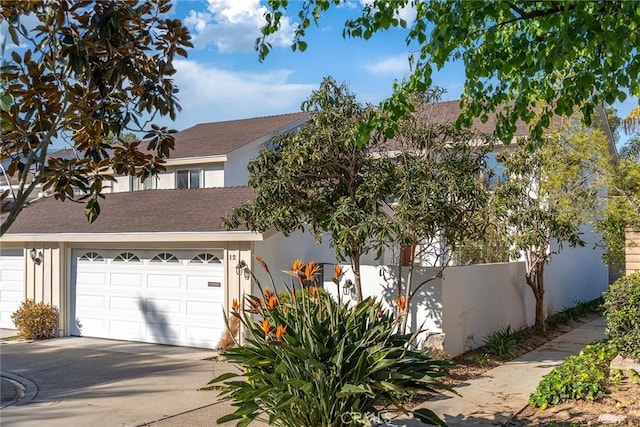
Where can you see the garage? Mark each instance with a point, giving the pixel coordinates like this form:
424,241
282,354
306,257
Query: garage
158,296
11,284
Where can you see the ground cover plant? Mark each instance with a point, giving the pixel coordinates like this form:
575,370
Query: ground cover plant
311,360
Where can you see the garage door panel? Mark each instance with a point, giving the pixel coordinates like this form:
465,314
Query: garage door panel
168,306
164,281
90,301
11,284
126,280
134,304
91,279
166,302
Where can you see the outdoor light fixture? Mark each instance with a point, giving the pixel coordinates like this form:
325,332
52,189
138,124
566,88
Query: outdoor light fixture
242,267
348,287
35,256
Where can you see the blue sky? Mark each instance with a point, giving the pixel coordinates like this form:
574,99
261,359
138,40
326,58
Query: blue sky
222,79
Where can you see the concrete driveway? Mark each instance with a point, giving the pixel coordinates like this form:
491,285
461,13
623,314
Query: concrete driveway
94,382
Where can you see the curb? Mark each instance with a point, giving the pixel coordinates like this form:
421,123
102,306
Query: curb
27,389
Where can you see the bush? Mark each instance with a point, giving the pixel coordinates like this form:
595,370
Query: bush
310,360
622,310
502,343
580,376
36,321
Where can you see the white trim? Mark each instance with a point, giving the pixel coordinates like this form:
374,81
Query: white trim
179,161
233,236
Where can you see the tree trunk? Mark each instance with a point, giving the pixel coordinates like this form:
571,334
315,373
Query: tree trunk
355,260
535,280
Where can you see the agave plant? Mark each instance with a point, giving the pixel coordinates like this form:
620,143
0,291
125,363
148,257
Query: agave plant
310,360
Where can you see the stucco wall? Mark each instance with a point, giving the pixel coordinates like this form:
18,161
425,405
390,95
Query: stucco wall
575,275
279,252
480,299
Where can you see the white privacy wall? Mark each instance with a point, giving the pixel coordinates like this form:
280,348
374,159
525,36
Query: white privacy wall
481,299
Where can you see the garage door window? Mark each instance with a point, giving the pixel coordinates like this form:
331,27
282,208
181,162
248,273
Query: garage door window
126,257
205,259
92,257
165,257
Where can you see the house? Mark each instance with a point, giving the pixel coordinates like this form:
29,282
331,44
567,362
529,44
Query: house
157,266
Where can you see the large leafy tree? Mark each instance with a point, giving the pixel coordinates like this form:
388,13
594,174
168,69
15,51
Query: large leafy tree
559,56
322,178
435,173
549,194
84,72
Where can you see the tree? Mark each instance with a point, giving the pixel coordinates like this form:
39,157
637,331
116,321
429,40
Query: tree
436,173
320,177
518,55
622,210
549,194
87,72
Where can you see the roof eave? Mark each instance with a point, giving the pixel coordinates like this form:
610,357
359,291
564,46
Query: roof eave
213,236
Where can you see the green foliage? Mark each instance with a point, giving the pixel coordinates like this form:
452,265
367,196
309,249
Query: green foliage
549,193
320,177
312,360
581,376
622,310
564,55
85,72
502,343
622,211
36,321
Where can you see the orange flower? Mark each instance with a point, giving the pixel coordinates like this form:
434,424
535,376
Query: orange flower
261,260
337,271
265,326
235,305
297,266
280,330
311,270
267,293
272,302
401,303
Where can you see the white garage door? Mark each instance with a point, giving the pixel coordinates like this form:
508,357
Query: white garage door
160,296
11,284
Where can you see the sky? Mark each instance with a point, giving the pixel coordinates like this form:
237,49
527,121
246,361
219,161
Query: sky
223,79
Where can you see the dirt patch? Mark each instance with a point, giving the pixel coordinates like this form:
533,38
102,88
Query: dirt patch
623,400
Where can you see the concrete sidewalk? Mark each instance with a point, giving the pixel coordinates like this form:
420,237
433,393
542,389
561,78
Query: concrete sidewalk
497,395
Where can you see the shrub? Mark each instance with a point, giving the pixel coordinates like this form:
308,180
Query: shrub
36,321
622,310
310,360
502,343
581,376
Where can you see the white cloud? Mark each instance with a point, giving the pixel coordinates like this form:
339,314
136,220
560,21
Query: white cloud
391,66
234,25
408,12
209,94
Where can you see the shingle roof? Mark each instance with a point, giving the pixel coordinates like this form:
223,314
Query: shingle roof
449,111
219,138
192,210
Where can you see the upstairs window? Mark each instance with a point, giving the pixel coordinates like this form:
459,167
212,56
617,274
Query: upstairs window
188,178
148,184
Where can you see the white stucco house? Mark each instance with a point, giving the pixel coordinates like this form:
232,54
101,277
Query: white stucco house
157,266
